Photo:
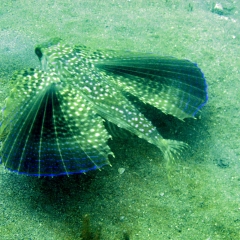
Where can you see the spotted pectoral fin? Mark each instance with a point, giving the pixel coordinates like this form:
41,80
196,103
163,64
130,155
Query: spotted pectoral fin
48,137
176,87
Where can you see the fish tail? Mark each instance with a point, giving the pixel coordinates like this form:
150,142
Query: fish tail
171,149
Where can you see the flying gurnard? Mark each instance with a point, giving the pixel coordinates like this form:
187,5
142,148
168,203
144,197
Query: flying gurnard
54,119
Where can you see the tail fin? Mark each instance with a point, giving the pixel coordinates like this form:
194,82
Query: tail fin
171,149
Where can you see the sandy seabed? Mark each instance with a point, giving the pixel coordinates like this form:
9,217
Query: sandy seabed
199,197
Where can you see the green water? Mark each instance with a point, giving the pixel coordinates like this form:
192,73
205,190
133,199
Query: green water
199,197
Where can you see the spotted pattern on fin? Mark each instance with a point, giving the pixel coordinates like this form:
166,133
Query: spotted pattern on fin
53,119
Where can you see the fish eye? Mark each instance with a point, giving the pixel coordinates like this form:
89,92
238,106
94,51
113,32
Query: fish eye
38,52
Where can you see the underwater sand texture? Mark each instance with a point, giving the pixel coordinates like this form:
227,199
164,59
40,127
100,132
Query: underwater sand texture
198,198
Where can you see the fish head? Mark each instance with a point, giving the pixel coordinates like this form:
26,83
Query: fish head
53,55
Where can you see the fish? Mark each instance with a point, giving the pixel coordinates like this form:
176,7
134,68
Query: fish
54,121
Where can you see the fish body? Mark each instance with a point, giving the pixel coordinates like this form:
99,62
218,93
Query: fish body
53,119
